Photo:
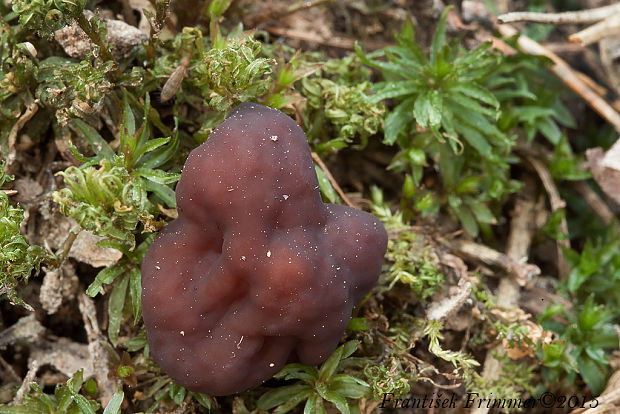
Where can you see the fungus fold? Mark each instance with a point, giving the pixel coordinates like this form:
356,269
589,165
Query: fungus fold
256,271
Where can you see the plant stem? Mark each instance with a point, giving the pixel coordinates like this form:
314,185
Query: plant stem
85,25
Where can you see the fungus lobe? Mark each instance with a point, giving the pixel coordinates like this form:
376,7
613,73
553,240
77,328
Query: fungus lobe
256,271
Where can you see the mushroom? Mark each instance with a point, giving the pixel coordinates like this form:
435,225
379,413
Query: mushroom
256,271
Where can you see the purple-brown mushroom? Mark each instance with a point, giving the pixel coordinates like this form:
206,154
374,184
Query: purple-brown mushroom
256,271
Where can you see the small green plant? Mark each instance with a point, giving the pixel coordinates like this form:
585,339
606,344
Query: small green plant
582,345
439,92
459,359
514,383
317,386
565,165
18,259
446,115
67,399
410,265
233,73
167,392
126,290
47,15
73,89
388,378
110,200
596,271
338,108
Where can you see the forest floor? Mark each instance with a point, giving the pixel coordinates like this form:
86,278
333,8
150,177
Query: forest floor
489,150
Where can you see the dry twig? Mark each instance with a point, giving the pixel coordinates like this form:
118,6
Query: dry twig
608,401
519,240
595,202
30,111
569,76
23,389
8,369
331,179
582,16
522,272
98,354
556,203
608,27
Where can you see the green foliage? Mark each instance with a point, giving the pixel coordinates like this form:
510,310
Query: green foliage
459,359
388,378
442,92
410,265
514,381
17,73
596,270
233,73
445,113
74,89
407,267
530,98
47,15
111,200
582,345
126,290
380,208
67,399
104,200
588,331
338,108
226,71
114,406
317,386
515,334
559,365
553,226
565,164
18,259
166,391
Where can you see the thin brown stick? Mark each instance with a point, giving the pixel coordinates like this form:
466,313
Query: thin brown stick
331,179
600,90
431,409
522,229
30,111
582,16
595,202
61,255
608,27
98,353
128,13
608,401
333,41
92,34
9,370
30,376
521,271
568,75
556,203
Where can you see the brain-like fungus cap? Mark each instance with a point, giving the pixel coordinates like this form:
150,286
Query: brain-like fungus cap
257,271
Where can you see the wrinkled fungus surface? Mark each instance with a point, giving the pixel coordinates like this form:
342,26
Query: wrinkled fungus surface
257,271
